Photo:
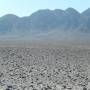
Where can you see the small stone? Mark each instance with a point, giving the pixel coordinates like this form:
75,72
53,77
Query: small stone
84,88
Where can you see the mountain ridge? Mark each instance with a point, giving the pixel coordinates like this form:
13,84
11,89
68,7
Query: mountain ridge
46,21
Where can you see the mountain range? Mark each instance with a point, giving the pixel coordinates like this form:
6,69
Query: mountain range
47,23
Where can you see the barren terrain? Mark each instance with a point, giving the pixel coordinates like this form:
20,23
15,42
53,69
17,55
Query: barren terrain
62,67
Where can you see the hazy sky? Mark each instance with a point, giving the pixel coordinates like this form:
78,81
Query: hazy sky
27,7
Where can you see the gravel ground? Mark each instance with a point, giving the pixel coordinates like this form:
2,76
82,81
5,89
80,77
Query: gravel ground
45,68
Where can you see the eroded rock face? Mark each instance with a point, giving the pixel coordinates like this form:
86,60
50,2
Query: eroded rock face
44,68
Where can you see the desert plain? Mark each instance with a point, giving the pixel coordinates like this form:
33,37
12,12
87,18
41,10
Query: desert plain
31,66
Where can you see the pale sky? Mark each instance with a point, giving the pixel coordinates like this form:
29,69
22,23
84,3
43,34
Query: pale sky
27,7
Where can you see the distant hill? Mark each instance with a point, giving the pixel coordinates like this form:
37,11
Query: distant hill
46,23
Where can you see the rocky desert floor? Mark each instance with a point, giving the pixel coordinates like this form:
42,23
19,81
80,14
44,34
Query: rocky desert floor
44,68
